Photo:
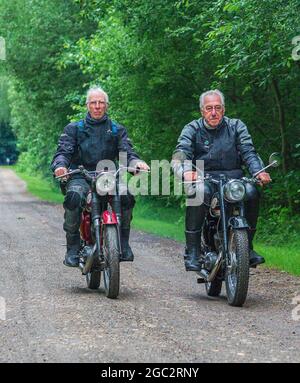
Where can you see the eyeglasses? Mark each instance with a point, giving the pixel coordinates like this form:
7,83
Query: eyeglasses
210,108
96,103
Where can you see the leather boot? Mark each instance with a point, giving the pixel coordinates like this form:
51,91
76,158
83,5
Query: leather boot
73,246
191,257
254,258
127,254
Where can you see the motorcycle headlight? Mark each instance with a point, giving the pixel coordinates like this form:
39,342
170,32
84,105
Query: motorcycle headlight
105,183
234,191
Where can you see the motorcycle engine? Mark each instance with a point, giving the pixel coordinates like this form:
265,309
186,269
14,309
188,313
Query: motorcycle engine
215,207
210,260
86,259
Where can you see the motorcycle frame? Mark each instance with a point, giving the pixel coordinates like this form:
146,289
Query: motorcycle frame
100,217
236,222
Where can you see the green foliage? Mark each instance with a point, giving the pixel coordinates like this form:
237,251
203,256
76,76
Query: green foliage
153,217
277,226
154,58
35,33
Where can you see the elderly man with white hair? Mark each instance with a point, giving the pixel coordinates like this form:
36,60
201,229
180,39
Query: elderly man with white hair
87,142
225,145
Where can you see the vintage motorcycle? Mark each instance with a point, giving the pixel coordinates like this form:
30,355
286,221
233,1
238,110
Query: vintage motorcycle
224,249
100,229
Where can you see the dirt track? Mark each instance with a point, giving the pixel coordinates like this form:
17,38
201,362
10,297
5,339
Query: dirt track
161,315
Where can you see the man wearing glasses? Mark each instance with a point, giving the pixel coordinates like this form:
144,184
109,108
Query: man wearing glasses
86,143
224,144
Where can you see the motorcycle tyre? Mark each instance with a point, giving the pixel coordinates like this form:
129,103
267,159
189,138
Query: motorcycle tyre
240,241
111,272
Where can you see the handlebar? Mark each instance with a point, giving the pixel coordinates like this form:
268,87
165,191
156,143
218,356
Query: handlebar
209,177
93,174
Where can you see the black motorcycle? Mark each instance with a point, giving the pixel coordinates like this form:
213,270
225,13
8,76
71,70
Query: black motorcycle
224,245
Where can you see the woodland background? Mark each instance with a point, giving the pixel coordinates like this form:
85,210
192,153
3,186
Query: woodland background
154,58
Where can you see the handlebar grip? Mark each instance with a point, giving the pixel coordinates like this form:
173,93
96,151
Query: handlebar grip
68,174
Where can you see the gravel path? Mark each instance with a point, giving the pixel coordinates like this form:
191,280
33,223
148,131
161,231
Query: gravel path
161,315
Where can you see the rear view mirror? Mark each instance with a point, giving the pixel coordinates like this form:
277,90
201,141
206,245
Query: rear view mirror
275,159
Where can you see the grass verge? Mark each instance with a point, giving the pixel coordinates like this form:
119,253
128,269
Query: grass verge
40,187
169,222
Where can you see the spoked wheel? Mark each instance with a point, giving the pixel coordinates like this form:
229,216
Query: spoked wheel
93,280
111,272
237,267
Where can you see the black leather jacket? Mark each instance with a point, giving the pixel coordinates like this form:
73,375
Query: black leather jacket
225,148
88,143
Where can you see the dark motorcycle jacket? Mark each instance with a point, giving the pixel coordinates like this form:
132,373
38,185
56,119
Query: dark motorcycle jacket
224,149
91,141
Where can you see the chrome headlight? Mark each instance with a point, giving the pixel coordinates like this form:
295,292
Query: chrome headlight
234,191
105,183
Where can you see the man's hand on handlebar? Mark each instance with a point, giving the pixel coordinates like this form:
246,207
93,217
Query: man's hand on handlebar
264,178
190,176
141,166
59,172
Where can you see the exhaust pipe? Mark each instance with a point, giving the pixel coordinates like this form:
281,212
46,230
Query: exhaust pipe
215,269
89,259
209,276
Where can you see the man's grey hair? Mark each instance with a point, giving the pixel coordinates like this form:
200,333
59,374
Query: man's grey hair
96,89
211,93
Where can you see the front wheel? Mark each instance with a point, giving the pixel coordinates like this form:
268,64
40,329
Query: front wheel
111,272
237,267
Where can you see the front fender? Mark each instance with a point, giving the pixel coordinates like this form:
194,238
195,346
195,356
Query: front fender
238,222
109,218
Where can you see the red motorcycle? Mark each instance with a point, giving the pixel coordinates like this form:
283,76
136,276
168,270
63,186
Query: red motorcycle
100,229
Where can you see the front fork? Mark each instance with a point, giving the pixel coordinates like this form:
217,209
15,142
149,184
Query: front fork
96,220
116,207
233,222
237,222
223,219
98,225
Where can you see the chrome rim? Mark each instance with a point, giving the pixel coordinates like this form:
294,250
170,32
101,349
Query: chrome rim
232,267
106,270
88,278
